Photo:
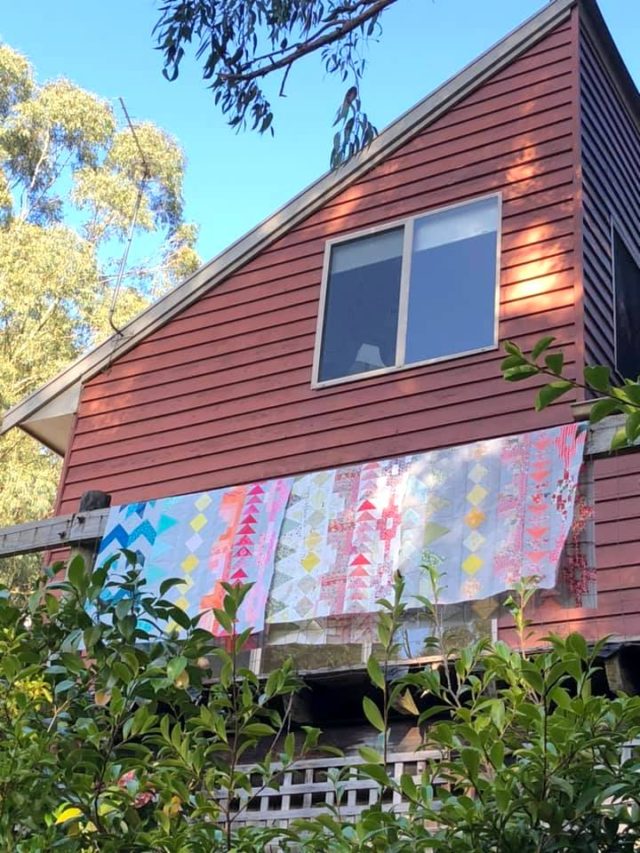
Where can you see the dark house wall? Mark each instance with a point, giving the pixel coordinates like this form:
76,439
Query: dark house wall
610,143
610,181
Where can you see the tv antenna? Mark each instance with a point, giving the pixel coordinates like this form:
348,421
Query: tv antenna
146,174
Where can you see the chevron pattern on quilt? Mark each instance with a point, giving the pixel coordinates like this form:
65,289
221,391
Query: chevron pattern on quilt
204,538
325,545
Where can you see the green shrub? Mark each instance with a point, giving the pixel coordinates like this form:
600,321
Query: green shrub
115,736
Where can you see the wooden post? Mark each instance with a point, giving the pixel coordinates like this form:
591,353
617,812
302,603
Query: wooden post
88,548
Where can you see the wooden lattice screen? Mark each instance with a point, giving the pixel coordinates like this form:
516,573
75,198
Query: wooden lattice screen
311,785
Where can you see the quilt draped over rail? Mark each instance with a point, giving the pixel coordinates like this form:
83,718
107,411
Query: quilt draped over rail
325,545
227,535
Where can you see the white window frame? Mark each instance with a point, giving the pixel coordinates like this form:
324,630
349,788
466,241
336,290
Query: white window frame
407,223
619,230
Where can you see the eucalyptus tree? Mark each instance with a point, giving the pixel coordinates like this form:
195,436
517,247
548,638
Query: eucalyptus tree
243,45
71,176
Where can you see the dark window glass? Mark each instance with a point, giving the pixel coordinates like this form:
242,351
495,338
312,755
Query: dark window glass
452,296
361,308
627,289
448,288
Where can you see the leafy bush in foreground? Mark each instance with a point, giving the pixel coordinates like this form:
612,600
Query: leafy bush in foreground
116,736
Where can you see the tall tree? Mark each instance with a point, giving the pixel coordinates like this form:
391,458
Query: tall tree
242,44
71,178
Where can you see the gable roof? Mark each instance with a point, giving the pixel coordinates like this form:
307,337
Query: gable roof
47,414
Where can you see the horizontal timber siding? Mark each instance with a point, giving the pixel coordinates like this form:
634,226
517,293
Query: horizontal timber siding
610,178
617,490
221,393
610,143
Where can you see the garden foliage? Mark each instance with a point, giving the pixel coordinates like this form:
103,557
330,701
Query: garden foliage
126,727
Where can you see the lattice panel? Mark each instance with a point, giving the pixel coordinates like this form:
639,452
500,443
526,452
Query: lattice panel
309,787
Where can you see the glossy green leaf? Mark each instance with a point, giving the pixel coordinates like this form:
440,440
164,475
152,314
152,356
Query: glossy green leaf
542,345
176,666
619,439
377,773
408,787
551,392
516,374
511,361
169,583
372,713
258,730
555,362
632,427
370,755
375,672
597,377
602,409
471,760
77,574
512,348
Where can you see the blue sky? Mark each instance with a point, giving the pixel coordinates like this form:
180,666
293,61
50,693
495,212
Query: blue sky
233,181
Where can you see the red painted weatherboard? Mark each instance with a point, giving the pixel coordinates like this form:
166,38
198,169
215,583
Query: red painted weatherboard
617,489
222,393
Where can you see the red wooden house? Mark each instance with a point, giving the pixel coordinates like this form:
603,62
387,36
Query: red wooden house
265,364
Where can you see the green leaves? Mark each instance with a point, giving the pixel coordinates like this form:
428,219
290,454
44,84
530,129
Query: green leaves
619,440
169,583
471,760
624,398
551,392
258,730
513,349
372,713
377,773
518,750
375,672
370,755
597,378
77,574
542,345
176,666
632,426
69,180
602,409
554,362
519,372
241,45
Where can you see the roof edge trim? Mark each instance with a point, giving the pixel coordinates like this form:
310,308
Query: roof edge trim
597,29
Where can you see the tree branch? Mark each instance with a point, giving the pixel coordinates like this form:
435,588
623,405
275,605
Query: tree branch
24,201
327,24
341,30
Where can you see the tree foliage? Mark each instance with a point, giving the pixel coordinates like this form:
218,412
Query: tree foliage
118,733
614,397
242,45
70,175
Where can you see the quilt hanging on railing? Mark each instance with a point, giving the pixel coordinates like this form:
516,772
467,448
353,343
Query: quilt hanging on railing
206,538
327,544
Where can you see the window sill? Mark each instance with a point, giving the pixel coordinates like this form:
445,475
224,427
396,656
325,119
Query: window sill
384,371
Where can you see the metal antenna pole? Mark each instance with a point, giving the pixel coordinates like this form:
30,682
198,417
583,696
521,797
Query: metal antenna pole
146,174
